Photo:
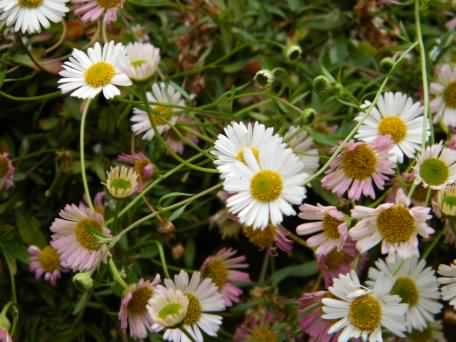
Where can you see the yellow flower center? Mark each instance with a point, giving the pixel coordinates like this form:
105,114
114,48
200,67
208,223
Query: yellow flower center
255,152
262,238
170,309
4,166
262,334
138,301
49,259
365,313
217,271
336,258
107,4
396,224
266,186
393,126
99,74
29,3
160,115
359,163
84,234
330,225
405,288
450,95
193,310
434,171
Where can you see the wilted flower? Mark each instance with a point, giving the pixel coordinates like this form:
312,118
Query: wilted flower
45,262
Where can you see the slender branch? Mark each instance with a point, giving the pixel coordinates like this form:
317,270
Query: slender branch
82,156
32,98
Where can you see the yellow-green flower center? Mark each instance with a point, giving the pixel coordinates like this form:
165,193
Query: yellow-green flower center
405,288
359,163
330,225
49,259
4,166
120,184
138,302
448,200
193,310
262,238
434,171
161,115
170,309
84,234
266,186
262,334
99,74
217,271
29,3
365,313
137,63
107,4
450,95
255,152
396,224
393,126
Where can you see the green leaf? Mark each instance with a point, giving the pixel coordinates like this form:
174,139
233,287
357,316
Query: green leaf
29,229
298,271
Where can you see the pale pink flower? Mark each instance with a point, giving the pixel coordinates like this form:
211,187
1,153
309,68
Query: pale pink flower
7,171
142,165
358,167
45,263
5,336
92,10
328,222
224,270
74,239
133,313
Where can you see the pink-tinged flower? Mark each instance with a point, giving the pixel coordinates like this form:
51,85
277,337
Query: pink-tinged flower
223,268
5,336
75,240
270,238
45,262
358,167
451,24
142,165
329,223
92,10
133,313
6,172
174,141
395,225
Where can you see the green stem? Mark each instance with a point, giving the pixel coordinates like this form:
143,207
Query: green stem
264,267
161,253
82,156
31,98
433,244
116,274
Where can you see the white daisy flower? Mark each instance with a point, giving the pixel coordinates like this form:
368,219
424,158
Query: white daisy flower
30,16
303,146
448,283
230,146
360,312
203,299
165,100
143,60
86,75
264,190
444,92
436,167
417,286
398,116
167,308
122,181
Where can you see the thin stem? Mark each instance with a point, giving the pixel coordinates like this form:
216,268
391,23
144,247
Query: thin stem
434,243
104,33
32,98
30,54
82,156
116,274
161,253
264,267
61,39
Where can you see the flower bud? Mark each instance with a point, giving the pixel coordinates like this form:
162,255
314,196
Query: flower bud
264,78
321,83
83,280
293,52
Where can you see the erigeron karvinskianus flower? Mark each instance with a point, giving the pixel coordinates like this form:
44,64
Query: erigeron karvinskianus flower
75,237
92,10
142,165
122,181
399,117
303,146
417,286
7,171
443,90
363,313
358,167
447,282
446,200
143,60
394,225
45,263
261,325
167,308
85,75
270,238
30,16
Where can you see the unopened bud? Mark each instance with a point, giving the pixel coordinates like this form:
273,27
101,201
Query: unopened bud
178,251
264,78
83,280
321,83
293,52
166,227
387,63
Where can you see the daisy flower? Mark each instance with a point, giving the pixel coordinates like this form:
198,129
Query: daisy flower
224,270
399,117
270,238
328,222
261,325
142,165
30,16
417,286
362,313
436,167
122,181
358,167
230,147
264,190
168,308
444,95
303,146
73,238
446,200
395,225
85,75
7,171
133,313
92,10
165,100
448,283
143,60
45,262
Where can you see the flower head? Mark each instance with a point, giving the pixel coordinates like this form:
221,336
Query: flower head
45,262
7,171
122,181
446,200
92,10
443,90
448,283
303,146
142,165
270,238
168,308
143,60
260,325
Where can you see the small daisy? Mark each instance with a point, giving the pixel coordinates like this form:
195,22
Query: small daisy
165,102
133,311
168,308
142,165
358,167
395,225
7,171
45,262
224,270
417,286
270,238
446,200
264,190
444,95
360,312
448,283
143,60
436,167
399,117
203,300
30,16
329,223
73,238
86,75
92,10
121,181
303,146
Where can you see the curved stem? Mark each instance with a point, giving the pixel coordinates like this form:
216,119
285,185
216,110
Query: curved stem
104,33
116,274
61,39
32,98
82,156
161,253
